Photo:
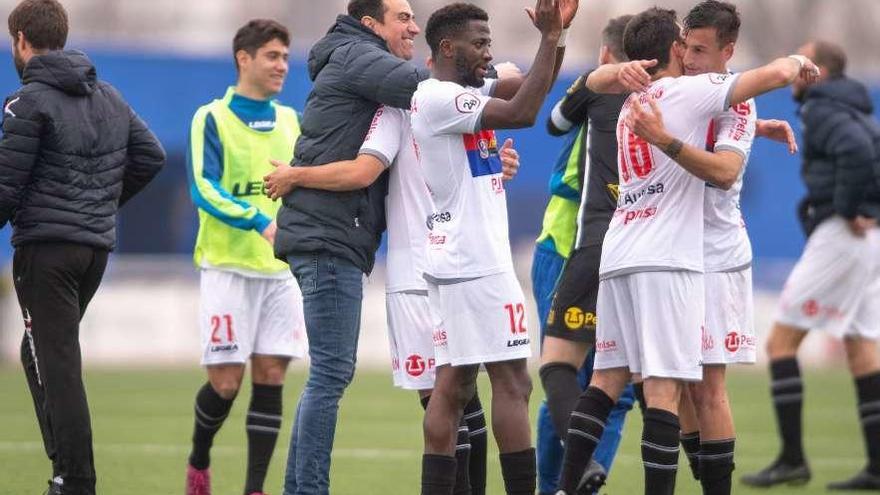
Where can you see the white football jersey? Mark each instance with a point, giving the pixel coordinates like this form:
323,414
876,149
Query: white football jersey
467,235
408,202
658,224
727,245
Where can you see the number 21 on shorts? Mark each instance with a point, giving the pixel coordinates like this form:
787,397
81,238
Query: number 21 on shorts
517,314
221,326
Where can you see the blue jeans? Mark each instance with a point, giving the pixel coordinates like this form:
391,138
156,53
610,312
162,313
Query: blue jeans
332,291
547,266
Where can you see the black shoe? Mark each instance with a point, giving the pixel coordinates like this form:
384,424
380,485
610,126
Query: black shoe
863,480
593,479
778,473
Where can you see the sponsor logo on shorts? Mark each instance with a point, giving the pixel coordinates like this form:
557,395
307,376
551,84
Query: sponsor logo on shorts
232,347
518,342
416,365
735,341
708,341
812,309
606,345
439,337
576,319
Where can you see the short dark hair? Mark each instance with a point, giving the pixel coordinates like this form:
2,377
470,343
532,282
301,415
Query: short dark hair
722,16
362,8
43,22
612,36
650,35
831,56
450,21
255,34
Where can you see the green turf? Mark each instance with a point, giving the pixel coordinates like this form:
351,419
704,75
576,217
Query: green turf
142,423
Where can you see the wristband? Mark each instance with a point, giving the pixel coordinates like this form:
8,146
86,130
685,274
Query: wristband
802,60
562,35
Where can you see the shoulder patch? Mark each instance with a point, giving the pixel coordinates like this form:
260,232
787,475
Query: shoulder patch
7,109
466,103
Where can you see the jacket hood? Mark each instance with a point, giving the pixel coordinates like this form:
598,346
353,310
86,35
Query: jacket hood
346,30
71,71
842,90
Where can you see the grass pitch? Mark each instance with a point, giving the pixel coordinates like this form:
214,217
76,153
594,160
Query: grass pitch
142,423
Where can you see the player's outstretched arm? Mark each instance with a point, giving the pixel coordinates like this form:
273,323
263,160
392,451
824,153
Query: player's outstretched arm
719,168
624,77
348,175
777,74
522,109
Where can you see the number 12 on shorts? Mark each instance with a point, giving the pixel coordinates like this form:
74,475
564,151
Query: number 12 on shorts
517,314
216,325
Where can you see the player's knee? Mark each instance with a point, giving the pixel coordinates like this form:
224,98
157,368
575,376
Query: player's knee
227,389
516,387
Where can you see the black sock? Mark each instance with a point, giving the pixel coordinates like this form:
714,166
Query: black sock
462,460
476,423
690,442
438,474
716,466
263,424
787,390
585,428
210,411
868,389
562,390
660,438
519,470
639,392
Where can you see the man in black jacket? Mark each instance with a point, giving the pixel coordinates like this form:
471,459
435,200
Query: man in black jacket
330,238
72,152
836,283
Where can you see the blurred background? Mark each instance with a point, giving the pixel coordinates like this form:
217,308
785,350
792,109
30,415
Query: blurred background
168,57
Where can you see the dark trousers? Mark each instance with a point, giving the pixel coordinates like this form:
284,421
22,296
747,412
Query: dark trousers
54,283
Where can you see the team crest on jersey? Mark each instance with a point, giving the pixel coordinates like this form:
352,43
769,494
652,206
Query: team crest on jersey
482,153
614,189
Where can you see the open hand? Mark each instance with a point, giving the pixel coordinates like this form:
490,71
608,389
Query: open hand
634,75
546,16
647,124
569,9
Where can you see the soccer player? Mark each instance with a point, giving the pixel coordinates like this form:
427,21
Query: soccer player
584,190
72,152
478,304
651,291
836,284
250,307
711,30
389,146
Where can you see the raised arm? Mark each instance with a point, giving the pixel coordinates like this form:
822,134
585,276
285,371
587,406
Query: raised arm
507,88
522,110
777,74
719,168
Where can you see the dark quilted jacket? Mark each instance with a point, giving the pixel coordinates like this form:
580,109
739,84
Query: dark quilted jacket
353,73
72,152
841,153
